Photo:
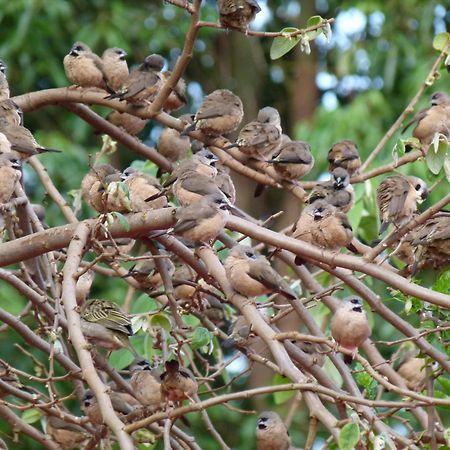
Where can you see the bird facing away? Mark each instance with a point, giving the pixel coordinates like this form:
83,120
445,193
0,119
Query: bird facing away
432,120
10,174
344,154
83,67
92,410
337,191
115,67
321,224
262,137
177,98
293,160
177,383
250,274
225,183
131,124
271,432
103,323
349,325
397,199
413,370
146,383
237,13
143,83
172,145
220,113
67,435
10,113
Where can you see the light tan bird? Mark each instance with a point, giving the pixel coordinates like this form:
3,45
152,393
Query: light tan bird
349,325
177,383
203,220
115,67
337,191
143,83
224,182
22,141
4,86
271,432
146,383
83,286
10,174
141,186
321,224
183,276
413,370
220,113
83,67
261,138
172,145
92,410
131,124
67,435
103,323
237,13
177,98
432,120
344,154
250,274
293,160
397,199
10,113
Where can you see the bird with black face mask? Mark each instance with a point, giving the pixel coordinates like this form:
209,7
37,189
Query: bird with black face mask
250,274
115,67
83,67
338,191
397,199
272,433
237,13
344,154
146,383
177,383
349,325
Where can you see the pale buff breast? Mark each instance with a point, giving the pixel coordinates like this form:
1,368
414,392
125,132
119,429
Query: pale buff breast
83,72
8,179
350,328
414,372
146,388
206,230
116,72
219,125
184,196
237,274
330,234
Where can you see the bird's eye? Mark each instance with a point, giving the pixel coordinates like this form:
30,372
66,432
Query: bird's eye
319,210
249,254
418,187
79,48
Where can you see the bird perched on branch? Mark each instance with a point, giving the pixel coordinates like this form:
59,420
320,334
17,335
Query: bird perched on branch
4,85
10,174
172,145
146,383
143,83
337,192
131,124
250,274
237,13
67,435
220,113
262,137
224,182
84,68
349,325
271,432
344,154
10,113
397,199
103,323
177,383
177,98
115,67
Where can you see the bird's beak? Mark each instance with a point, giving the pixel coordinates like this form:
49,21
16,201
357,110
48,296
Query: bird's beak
424,194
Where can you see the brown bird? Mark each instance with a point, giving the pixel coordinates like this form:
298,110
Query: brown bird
202,220
177,98
224,182
293,160
397,199
103,323
10,113
337,191
10,174
243,337
92,410
172,145
115,67
237,13
146,383
321,224
271,432
413,370
131,124
220,113
22,141
432,120
113,195
250,274
313,350
143,83
83,67
141,186
4,86
344,154
183,290
67,435
349,325
261,138
177,383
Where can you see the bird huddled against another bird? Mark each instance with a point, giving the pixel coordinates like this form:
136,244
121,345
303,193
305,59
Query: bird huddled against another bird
146,383
237,13
344,154
177,382
68,435
272,433
115,67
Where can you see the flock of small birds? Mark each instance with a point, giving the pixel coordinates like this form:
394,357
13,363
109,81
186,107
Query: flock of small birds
206,195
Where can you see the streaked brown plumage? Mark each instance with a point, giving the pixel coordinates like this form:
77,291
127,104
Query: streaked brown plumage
10,113
293,160
146,383
177,383
237,13
271,432
344,154
10,174
250,274
115,67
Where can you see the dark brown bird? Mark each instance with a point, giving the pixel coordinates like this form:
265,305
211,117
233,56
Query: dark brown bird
10,113
84,68
131,124
115,67
177,383
344,154
237,13
143,83
92,410
397,199
67,435
250,274
271,432
10,174
146,383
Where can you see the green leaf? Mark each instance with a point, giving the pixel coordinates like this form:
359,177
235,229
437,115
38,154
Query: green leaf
445,384
441,40
313,21
447,167
442,284
120,359
283,396
349,436
200,338
31,415
283,44
162,321
436,155
366,381
122,220
143,304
